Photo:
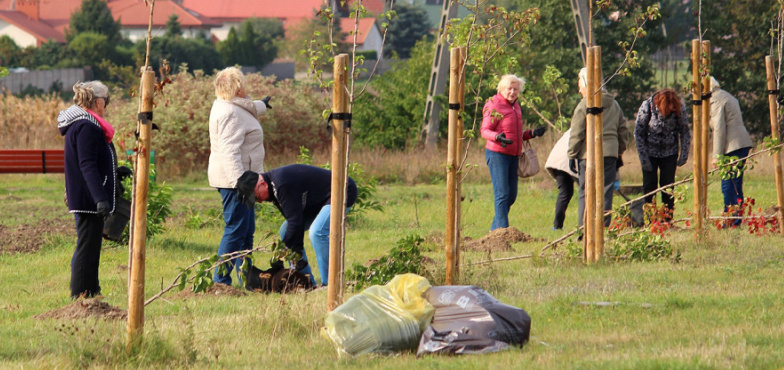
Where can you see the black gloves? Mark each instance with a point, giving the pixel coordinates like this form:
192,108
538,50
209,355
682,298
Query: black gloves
501,138
301,264
266,102
646,165
682,160
539,131
123,172
618,163
573,165
103,209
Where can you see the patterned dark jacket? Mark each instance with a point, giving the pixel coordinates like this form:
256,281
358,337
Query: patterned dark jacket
90,161
660,137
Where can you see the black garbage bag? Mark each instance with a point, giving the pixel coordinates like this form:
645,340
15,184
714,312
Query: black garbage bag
468,320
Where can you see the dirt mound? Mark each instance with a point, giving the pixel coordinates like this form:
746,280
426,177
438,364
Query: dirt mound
27,238
216,289
84,308
498,240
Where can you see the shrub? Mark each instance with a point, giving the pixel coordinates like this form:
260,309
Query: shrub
404,258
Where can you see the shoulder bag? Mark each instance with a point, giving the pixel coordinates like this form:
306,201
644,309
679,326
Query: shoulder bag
528,163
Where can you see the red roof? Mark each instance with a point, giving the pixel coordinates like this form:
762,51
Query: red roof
363,29
374,7
40,30
243,9
133,13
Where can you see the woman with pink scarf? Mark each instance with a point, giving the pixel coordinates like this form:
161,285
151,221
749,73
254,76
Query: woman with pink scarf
90,179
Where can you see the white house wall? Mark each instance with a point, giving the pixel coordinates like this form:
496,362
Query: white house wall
373,42
136,34
20,36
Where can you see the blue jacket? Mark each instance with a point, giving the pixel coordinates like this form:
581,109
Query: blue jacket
300,191
90,162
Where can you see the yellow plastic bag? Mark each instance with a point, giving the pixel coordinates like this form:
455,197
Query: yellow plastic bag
386,318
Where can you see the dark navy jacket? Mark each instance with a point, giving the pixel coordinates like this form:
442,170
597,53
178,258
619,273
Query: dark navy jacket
89,161
300,191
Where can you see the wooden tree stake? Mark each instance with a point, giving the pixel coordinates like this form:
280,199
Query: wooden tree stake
453,146
696,66
705,126
774,133
598,155
139,221
590,162
337,214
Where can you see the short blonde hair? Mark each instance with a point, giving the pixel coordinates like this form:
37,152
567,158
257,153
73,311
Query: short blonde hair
85,93
507,80
228,82
582,78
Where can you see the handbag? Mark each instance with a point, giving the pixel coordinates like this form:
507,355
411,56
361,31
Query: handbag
528,163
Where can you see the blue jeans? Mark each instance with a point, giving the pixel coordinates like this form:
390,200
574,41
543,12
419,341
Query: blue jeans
503,172
237,234
319,237
733,187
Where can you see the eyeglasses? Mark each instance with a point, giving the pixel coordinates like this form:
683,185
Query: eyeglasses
105,100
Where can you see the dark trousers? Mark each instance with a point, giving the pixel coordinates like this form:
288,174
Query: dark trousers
663,174
87,257
609,177
565,183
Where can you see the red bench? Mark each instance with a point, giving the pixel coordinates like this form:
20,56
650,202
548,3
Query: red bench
32,161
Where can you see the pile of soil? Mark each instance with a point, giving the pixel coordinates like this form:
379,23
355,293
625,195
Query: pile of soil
498,240
217,289
84,308
28,238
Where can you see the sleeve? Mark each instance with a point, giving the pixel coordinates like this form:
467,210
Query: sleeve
685,136
489,122
231,137
291,207
261,108
527,135
641,131
719,124
623,131
577,137
89,140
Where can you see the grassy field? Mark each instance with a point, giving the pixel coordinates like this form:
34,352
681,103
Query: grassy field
721,306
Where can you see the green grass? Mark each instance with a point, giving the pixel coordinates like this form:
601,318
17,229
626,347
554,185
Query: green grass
720,307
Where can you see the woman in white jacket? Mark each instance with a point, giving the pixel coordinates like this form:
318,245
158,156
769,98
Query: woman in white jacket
236,146
557,166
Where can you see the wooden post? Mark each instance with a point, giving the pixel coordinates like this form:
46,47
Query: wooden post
704,127
338,210
458,154
590,162
696,96
139,221
451,166
598,155
774,133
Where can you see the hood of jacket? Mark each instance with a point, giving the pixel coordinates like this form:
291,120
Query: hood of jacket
73,114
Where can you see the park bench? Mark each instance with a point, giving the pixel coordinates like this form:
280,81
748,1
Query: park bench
32,161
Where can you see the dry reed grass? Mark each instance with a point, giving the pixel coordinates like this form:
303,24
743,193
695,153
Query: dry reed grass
30,122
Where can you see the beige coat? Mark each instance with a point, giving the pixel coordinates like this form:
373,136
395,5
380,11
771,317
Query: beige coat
729,133
558,158
236,140
616,134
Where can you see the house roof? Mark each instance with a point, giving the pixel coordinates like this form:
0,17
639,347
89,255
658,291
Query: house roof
363,29
243,9
40,30
374,7
134,13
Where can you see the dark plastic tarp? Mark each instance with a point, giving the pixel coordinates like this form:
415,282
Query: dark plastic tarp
468,320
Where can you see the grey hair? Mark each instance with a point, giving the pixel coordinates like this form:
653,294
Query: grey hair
582,79
85,93
507,80
714,85
228,82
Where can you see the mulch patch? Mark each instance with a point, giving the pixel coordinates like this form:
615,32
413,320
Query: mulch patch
84,308
28,238
216,289
498,240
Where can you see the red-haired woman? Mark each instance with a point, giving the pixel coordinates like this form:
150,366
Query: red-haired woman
662,134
